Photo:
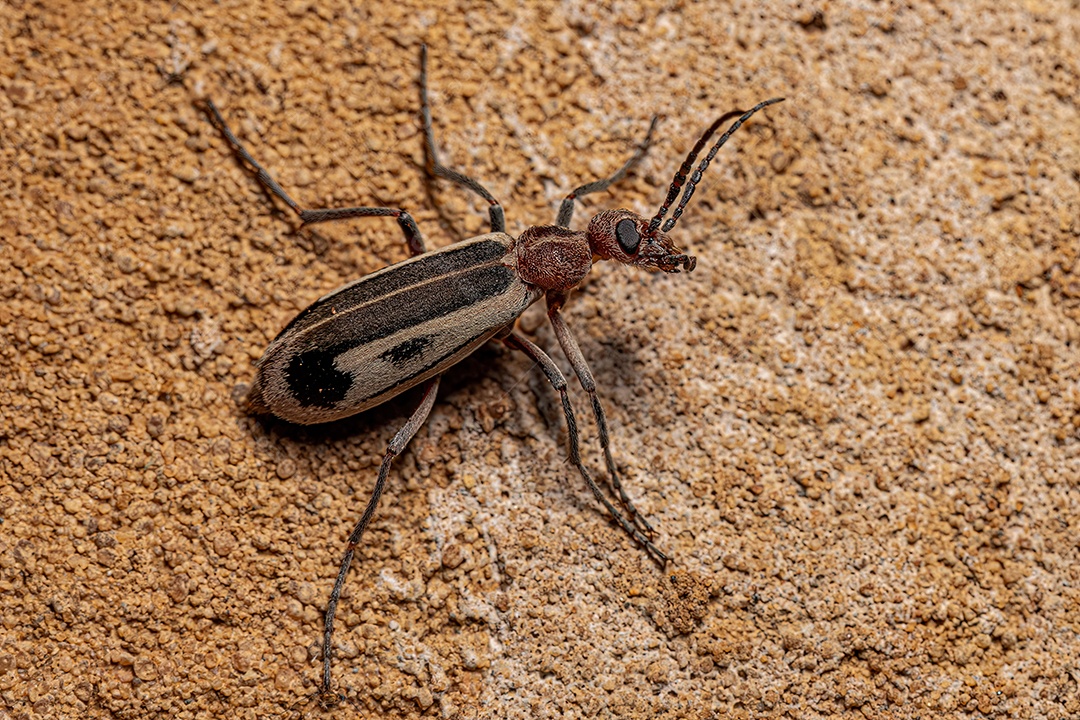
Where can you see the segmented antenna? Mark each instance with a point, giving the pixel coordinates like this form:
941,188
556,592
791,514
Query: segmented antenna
680,176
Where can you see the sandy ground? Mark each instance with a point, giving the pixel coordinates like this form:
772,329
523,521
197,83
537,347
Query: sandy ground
856,425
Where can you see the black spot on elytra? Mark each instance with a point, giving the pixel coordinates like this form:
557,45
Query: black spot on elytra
314,381
408,350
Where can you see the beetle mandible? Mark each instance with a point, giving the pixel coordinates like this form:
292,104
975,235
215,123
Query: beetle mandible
406,324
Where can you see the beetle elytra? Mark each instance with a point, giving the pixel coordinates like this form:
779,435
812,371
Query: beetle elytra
404,325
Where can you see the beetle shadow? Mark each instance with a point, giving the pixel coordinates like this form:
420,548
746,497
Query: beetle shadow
486,362
504,367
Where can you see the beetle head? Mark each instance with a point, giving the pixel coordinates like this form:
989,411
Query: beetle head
624,236
627,237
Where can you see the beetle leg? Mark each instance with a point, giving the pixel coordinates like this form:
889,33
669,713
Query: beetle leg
566,209
431,157
558,381
585,376
396,447
413,237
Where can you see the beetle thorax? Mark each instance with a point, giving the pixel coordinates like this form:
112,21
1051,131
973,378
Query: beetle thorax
553,257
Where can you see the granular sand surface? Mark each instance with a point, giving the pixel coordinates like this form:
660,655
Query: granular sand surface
856,426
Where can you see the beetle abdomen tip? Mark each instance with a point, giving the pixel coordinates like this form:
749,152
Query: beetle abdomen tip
253,402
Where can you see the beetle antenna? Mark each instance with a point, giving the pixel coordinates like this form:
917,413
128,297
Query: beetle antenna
680,176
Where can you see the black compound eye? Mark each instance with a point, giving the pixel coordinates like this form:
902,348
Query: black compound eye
627,235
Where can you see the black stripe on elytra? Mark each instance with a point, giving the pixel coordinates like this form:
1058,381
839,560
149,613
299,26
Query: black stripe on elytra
426,267
312,375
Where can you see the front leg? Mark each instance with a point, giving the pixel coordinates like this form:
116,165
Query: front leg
555,377
585,377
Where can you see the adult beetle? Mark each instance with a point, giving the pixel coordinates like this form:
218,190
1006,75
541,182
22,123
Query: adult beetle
404,325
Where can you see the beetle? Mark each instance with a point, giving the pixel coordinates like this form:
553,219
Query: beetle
404,325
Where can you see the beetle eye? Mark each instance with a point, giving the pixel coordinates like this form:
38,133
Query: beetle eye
627,235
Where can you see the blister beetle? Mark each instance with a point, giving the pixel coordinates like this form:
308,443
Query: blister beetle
406,324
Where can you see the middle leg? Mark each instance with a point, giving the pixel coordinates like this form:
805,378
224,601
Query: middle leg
413,237
495,210
558,381
588,383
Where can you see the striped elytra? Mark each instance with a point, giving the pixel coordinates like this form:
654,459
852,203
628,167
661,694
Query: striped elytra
389,331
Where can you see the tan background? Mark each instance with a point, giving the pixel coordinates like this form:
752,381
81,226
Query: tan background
855,425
